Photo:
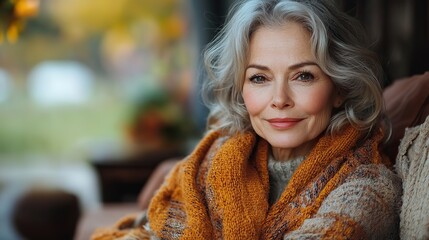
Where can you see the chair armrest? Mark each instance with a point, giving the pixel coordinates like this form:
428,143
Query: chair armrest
154,182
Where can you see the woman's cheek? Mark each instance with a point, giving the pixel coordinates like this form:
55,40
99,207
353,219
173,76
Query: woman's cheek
317,102
252,101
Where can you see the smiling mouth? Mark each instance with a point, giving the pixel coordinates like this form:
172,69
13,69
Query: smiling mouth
284,123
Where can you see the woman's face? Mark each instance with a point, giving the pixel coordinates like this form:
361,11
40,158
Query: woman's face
288,97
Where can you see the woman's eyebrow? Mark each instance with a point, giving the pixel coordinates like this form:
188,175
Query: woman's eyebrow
292,67
303,64
257,66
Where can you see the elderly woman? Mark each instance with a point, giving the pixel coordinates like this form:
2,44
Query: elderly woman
293,146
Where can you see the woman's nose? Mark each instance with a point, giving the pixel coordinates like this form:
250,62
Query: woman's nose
281,97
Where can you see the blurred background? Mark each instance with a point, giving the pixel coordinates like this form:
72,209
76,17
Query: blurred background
95,94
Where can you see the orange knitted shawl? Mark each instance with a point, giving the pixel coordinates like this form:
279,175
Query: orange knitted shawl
220,191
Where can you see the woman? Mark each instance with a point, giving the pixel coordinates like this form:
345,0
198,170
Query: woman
293,150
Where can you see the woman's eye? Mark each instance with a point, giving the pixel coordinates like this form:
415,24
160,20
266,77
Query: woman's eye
257,79
305,76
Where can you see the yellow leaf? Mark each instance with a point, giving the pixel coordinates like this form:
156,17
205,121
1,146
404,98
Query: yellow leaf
26,8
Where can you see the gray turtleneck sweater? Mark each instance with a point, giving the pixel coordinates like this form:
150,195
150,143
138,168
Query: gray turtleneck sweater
280,172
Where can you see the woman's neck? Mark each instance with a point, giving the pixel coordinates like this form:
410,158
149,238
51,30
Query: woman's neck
286,154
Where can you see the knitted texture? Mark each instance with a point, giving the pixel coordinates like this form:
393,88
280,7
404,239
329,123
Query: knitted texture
124,229
280,172
221,190
412,164
369,198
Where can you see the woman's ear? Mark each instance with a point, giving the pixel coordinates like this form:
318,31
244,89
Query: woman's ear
338,100
338,103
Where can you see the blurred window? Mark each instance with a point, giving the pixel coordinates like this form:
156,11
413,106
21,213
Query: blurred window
60,82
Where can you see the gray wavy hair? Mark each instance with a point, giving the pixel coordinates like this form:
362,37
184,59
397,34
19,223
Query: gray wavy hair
337,40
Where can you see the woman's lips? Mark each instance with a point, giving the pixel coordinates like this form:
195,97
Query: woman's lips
284,123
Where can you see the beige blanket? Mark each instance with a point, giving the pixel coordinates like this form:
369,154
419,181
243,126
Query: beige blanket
412,164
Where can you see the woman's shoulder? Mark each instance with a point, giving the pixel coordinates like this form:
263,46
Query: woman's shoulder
374,172
375,178
371,197
218,137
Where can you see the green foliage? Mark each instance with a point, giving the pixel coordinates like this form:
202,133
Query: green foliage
27,129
